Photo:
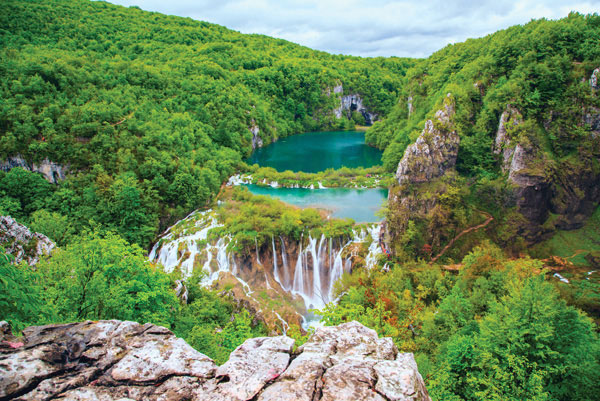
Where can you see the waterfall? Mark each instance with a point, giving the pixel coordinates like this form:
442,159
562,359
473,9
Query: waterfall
298,285
275,268
374,248
286,268
336,271
166,251
318,264
256,247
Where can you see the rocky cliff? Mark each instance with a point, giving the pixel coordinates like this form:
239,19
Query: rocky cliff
52,172
435,150
567,188
542,191
21,243
114,360
422,174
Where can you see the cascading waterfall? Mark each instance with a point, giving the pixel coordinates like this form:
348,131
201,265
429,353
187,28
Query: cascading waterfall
275,268
374,248
168,253
298,285
256,247
286,268
320,261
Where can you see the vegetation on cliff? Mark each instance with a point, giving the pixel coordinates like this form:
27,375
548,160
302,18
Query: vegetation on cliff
542,68
527,113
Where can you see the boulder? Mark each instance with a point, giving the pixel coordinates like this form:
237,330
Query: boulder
21,243
435,150
115,360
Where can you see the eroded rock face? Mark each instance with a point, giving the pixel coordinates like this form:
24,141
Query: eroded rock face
595,79
351,103
502,145
434,151
257,141
52,172
114,360
567,189
21,243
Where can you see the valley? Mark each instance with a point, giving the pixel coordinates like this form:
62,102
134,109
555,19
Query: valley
190,212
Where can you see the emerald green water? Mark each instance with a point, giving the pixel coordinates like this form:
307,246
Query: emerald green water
317,151
357,204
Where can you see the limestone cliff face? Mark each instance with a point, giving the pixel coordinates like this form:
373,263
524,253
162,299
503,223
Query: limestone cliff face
115,360
351,103
570,190
257,141
595,79
52,172
510,117
21,243
431,159
434,151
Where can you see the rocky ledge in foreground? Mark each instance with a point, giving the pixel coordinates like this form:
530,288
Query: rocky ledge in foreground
114,360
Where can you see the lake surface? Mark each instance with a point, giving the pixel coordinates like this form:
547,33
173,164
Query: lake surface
317,151
358,204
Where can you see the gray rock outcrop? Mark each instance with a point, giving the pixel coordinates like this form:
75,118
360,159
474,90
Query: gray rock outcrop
595,79
524,164
114,360
510,117
434,152
257,141
52,172
21,243
351,103
541,186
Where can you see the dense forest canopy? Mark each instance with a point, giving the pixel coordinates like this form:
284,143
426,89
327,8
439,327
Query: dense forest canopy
156,110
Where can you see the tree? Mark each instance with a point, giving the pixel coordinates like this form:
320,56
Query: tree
530,346
101,276
52,224
21,299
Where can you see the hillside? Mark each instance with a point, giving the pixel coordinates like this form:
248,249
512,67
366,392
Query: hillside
159,110
519,136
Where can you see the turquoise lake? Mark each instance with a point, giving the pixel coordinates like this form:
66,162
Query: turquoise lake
357,204
317,151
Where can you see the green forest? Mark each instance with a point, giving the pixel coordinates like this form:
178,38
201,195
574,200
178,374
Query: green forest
151,114
154,109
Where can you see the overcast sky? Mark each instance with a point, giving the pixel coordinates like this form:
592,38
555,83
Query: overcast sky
410,28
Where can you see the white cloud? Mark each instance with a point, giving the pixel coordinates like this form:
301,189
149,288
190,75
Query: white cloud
411,28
